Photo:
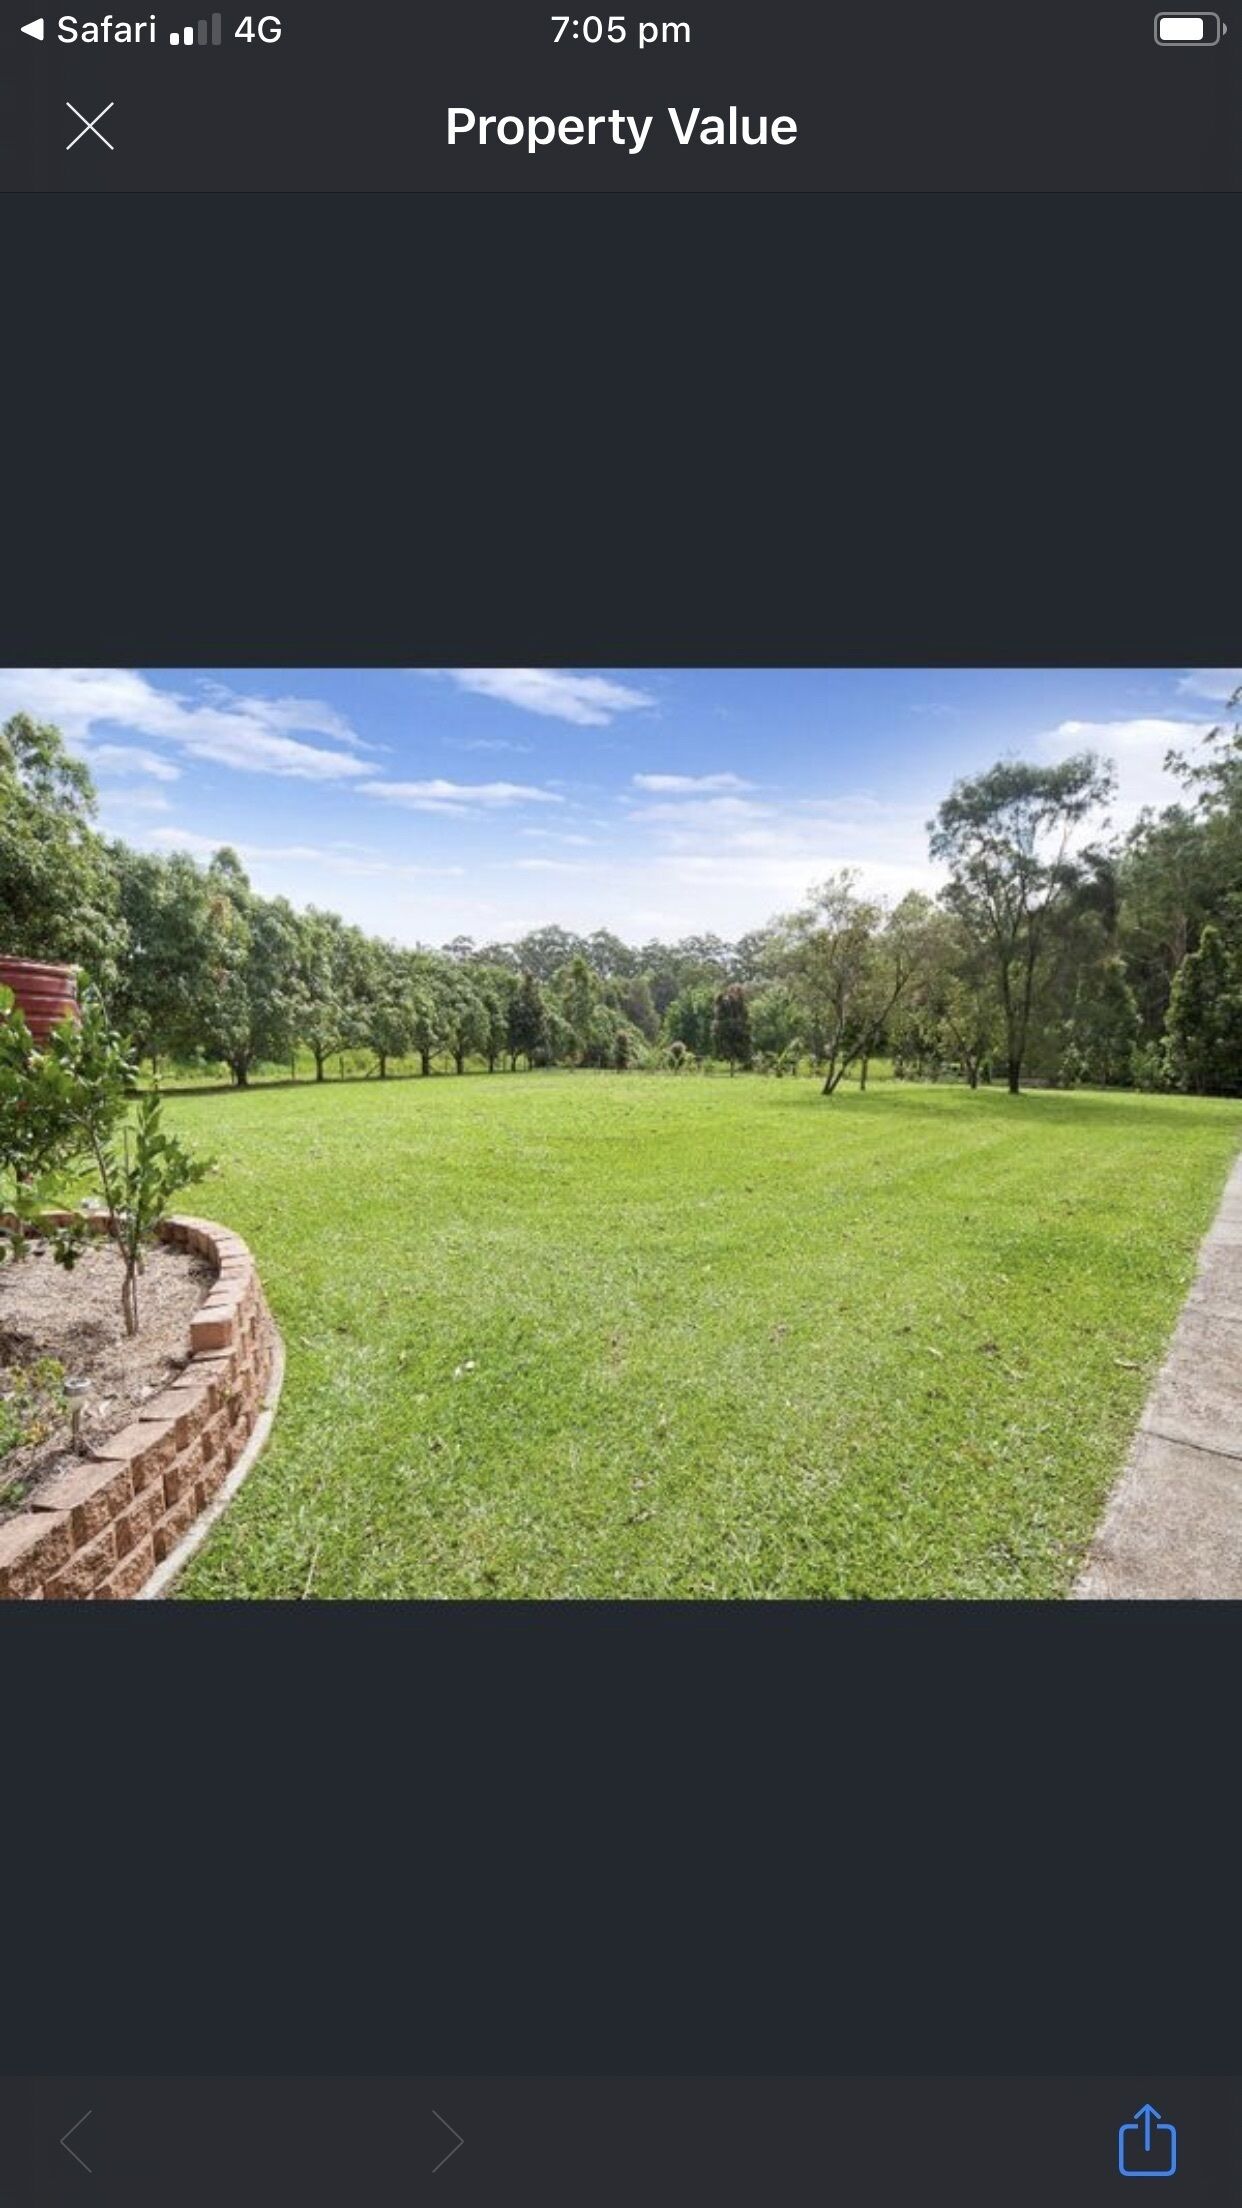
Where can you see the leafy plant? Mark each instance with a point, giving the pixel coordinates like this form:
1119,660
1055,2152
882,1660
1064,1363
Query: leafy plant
32,1404
139,1172
66,1108
41,1138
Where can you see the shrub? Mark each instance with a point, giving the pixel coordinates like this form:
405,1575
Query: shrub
41,1136
65,1108
138,1179
1149,1067
32,1404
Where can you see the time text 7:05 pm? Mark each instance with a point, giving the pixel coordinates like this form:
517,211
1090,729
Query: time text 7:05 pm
613,30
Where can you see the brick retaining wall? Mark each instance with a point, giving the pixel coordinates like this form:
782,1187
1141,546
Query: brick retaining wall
96,1532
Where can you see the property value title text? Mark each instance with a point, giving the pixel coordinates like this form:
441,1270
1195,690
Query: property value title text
691,127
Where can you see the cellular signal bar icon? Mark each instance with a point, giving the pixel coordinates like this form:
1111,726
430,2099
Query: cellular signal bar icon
186,37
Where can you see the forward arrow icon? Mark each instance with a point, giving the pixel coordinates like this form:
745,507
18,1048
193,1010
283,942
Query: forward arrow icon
457,2139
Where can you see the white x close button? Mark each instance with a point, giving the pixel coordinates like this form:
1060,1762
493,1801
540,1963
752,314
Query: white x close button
88,128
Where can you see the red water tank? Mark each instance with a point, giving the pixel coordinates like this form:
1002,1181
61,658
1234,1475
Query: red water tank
46,994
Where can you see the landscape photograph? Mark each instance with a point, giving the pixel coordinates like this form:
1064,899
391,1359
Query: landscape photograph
579,1134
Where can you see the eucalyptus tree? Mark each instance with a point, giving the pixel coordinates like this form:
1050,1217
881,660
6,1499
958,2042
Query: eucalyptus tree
967,1006
850,961
610,958
1180,867
696,961
577,993
1011,839
545,950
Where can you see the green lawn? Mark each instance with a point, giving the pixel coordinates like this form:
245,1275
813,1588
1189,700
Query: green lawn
587,1335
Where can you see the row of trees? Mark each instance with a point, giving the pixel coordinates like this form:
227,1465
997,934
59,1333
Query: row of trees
212,969
1055,951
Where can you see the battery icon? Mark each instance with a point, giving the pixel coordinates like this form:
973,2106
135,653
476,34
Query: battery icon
1187,30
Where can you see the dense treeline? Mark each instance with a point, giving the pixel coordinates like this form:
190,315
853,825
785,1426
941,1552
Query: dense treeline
1054,953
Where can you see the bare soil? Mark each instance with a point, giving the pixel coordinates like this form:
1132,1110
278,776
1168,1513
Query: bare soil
75,1317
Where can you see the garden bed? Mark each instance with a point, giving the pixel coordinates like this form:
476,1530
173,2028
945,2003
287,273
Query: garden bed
73,1319
96,1523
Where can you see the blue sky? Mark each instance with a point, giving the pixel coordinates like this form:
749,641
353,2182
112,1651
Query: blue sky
426,804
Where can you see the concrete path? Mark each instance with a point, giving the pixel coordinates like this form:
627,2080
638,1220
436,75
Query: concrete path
1173,1524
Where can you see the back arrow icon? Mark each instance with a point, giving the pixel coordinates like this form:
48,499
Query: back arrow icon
458,2141
73,2150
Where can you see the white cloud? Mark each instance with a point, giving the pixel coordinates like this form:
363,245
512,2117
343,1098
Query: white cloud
730,862
675,893
309,715
558,835
858,805
1212,682
339,859
783,880
551,866
106,759
205,847
248,734
439,796
1137,748
588,701
485,743
680,817
688,784
117,804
